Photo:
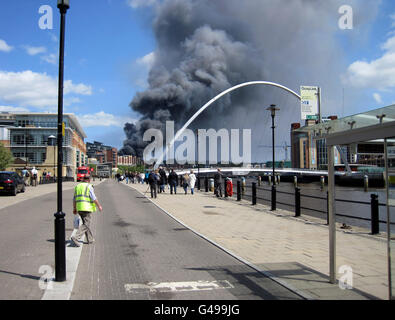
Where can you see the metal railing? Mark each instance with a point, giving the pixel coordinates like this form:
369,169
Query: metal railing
297,203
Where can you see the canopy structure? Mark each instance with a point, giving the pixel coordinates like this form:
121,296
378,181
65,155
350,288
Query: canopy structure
376,124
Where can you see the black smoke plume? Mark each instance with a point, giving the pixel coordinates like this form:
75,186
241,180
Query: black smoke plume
207,46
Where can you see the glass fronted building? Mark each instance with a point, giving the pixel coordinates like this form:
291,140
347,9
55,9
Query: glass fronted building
30,140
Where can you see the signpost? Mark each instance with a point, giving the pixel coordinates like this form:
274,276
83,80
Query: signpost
310,103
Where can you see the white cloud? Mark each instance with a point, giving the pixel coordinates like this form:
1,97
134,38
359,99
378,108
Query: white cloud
28,88
32,51
142,3
51,58
377,98
138,70
12,109
103,119
4,46
147,61
377,74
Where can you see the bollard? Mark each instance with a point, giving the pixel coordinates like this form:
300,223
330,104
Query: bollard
322,180
366,183
295,181
297,202
254,193
206,184
238,190
243,186
273,198
374,210
212,186
259,180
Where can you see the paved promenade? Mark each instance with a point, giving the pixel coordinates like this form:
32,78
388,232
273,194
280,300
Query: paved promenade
294,251
32,192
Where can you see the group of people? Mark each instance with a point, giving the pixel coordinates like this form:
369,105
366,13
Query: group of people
85,201
32,175
130,177
158,180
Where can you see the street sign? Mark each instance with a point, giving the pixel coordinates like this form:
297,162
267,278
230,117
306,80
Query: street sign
309,102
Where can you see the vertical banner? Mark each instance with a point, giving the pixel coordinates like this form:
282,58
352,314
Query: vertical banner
313,152
309,102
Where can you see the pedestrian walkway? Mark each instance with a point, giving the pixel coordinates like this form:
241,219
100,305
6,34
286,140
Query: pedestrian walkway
293,251
32,192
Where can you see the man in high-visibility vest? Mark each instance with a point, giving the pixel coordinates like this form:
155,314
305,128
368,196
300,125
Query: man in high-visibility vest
84,203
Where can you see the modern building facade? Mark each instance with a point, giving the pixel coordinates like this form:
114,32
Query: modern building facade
30,140
129,160
309,148
102,153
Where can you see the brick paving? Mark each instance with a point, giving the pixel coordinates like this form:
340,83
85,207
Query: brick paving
293,249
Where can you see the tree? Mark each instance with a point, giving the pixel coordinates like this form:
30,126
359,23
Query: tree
5,157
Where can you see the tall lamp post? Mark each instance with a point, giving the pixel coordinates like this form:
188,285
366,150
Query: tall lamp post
273,110
60,232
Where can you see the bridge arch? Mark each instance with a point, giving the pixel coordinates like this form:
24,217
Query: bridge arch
245,84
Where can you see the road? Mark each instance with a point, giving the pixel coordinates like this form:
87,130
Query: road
140,253
137,244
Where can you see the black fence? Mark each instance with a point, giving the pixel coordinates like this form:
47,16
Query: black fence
297,203
48,180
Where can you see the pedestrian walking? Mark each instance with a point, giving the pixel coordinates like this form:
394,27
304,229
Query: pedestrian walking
173,179
162,180
34,175
185,182
84,203
152,180
192,181
25,175
218,181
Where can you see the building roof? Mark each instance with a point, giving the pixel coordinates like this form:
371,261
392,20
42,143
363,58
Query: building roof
381,118
356,121
71,116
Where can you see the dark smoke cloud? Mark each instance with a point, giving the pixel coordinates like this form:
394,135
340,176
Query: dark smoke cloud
206,46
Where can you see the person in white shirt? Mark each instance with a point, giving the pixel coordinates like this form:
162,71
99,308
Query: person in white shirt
34,176
192,181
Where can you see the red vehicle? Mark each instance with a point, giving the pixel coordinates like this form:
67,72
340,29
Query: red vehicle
82,172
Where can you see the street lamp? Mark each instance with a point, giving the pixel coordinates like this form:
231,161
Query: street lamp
60,231
273,110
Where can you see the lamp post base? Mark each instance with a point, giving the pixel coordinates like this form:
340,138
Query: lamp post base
60,247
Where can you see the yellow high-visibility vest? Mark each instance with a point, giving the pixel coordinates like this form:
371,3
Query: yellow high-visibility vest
82,198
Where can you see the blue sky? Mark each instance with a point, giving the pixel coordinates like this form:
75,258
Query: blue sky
109,45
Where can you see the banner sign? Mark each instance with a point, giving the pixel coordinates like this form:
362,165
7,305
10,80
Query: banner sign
309,102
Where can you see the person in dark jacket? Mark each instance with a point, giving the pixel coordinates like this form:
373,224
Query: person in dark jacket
173,178
218,181
153,179
162,180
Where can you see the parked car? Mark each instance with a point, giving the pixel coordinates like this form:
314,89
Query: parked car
11,182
